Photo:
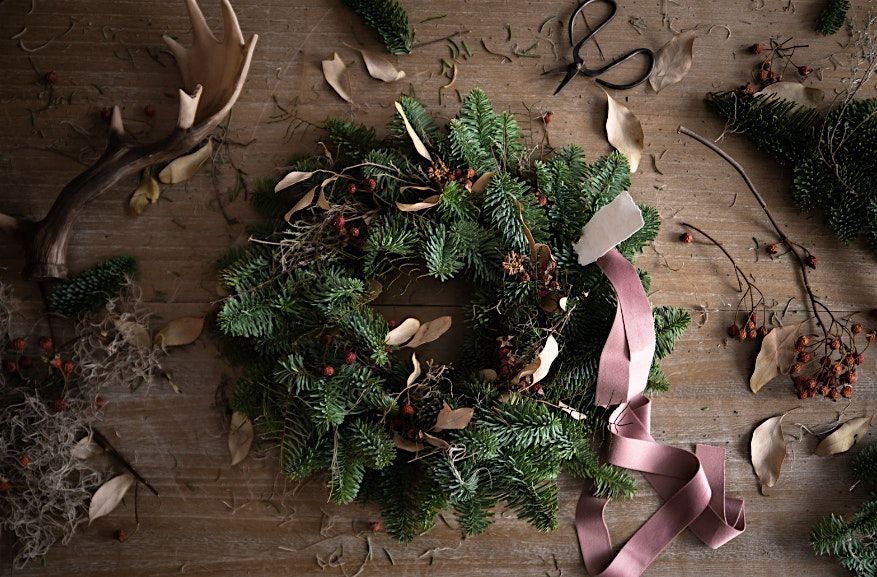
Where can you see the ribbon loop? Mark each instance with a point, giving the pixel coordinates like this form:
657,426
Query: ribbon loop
691,484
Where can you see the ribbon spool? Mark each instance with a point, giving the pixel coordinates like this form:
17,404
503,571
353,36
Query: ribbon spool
692,485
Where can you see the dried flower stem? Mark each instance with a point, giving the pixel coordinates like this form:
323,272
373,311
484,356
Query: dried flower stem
791,246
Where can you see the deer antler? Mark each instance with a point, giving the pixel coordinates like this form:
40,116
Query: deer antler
213,74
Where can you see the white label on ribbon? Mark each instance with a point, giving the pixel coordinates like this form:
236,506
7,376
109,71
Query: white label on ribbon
611,225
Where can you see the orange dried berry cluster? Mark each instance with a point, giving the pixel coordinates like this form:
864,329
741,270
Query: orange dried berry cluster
749,330
827,366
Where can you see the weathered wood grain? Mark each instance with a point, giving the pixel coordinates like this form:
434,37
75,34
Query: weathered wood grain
212,520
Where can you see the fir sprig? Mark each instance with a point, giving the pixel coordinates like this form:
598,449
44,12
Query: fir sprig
93,287
389,19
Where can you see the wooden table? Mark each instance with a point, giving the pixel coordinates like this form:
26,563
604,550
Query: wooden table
215,520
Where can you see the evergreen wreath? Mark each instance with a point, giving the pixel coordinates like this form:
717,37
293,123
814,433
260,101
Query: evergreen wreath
322,383
833,156
852,542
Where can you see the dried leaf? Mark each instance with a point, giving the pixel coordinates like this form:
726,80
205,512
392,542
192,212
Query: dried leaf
185,167
415,140
304,202
403,333
796,92
379,67
480,185
240,437
322,202
109,495
775,357
488,375
134,333
611,225
430,331
149,191
624,132
572,412
768,448
335,72
406,444
292,179
449,418
181,331
563,303
673,60
86,448
416,372
844,437
428,202
546,357
436,441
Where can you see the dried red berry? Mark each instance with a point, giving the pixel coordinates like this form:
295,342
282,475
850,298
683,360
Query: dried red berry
543,200
850,359
833,393
407,410
811,384
756,48
846,392
811,260
99,402
340,223
749,88
46,344
734,331
56,361
852,377
349,358
326,339
686,237
763,75
834,344
871,336
750,325
823,390
19,344
24,460
376,526
742,335
68,367
763,331
59,405
106,113
802,394
5,486
772,248
804,70
25,362
327,371
51,77
825,361
470,173
795,369
392,323
546,118
857,328
10,366
354,232
805,357
351,188
837,368
120,535
371,184
753,334
860,358
802,342
149,110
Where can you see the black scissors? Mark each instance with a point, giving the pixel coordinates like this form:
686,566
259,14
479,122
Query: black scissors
578,65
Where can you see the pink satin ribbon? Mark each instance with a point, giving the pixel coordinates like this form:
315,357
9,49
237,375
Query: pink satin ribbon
692,485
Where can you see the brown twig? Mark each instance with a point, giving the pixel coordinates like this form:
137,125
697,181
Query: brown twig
791,246
101,440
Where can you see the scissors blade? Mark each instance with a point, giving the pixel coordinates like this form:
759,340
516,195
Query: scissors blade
571,72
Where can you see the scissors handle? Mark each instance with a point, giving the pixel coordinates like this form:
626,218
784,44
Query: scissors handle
596,72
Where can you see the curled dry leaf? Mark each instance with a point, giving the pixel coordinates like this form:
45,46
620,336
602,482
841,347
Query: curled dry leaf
480,185
85,448
673,60
415,140
430,331
305,201
109,495
796,92
844,437
185,167
415,372
624,132
768,448
611,225
406,444
403,333
436,441
428,202
572,412
335,72
240,437
379,67
542,363
292,179
181,331
449,418
134,333
775,356
149,191
563,303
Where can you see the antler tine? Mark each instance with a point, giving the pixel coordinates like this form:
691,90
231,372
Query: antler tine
213,74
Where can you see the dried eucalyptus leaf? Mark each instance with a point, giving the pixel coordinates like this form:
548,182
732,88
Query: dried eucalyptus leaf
304,202
240,437
335,72
134,333
796,92
86,448
449,418
546,357
109,495
436,441
407,444
415,140
480,185
624,132
179,332
416,371
292,179
775,356
844,437
430,331
185,167
149,191
768,448
428,202
673,60
403,333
